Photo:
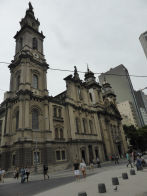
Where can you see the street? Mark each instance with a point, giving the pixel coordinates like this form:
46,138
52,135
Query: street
38,186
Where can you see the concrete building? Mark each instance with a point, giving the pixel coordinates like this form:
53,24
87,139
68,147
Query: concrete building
120,81
142,104
143,41
127,112
35,129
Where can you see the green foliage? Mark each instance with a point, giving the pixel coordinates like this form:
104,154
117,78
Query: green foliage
137,137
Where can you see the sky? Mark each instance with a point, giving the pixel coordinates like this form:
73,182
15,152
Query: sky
100,33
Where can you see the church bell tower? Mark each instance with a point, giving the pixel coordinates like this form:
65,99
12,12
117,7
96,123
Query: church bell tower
26,103
29,67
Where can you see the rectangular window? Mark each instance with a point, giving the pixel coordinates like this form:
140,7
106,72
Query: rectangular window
1,123
17,120
55,112
77,125
59,112
63,154
84,125
91,126
58,157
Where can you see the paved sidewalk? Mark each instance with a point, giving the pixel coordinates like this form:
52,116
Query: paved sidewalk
64,173
135,186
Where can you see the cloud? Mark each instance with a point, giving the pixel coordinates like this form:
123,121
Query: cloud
102,33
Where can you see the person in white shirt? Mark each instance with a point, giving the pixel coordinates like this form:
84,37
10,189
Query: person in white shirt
83,168
2,175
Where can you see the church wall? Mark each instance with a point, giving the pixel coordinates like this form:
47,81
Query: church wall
56,140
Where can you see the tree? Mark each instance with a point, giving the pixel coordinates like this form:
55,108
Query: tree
137,137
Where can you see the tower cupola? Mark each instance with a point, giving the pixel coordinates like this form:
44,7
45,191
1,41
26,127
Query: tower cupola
108,92
89,76
29,19
29,37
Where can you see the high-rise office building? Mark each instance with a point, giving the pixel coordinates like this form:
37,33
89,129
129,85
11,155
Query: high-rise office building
142,104
120,81
143,41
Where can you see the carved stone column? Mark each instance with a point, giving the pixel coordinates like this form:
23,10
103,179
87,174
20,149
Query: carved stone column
46,116
20,115
27,126
8,119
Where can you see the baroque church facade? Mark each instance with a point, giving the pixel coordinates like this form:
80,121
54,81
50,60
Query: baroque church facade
82,122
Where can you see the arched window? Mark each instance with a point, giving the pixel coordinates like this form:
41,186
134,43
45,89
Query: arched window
17,120
35,119
35,81
17,82
61,134
90,95
56,133
35,43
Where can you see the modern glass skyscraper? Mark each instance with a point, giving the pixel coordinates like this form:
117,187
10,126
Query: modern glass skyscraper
120,81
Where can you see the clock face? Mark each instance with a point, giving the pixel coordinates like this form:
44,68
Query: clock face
36,55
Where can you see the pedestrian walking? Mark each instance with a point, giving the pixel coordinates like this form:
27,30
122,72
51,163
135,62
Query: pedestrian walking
23,174
133,157
139,163
2,173
92,164
143,161
27,173
76,169
129,160
83,168
116,158
16,173
45,171
98,162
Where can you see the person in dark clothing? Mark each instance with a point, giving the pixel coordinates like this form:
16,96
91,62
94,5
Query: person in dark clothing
98,162
116,158
139,163
16,174
76,169
129,160
23,174
27,173
45,171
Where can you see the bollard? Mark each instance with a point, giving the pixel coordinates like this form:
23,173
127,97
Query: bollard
124,176
132,172
102,188
82,194
115,181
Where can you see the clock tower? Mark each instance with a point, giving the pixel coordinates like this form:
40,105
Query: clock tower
29,67
26,103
